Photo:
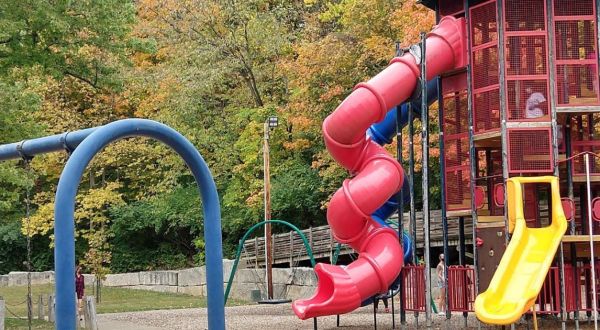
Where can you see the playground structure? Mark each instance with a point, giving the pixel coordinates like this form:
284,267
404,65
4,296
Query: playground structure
518,99
517,87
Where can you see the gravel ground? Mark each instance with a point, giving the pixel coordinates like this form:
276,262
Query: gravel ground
277,317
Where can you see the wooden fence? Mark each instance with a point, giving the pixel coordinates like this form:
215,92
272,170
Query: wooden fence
289,249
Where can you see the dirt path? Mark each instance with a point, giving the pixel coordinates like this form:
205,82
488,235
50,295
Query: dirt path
276,317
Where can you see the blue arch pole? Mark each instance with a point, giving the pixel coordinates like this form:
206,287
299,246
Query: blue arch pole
64,230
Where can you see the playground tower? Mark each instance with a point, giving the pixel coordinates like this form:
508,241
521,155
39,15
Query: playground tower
531,96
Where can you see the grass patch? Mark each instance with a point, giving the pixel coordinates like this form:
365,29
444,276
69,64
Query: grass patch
114,300
18,324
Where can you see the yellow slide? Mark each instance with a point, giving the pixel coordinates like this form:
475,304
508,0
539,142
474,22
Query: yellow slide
523,268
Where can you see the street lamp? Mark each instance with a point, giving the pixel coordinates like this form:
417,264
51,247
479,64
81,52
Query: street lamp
273,122
269,124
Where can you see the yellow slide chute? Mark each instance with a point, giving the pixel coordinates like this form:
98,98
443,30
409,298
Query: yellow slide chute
525,264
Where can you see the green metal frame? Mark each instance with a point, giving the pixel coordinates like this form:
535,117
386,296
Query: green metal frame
309,251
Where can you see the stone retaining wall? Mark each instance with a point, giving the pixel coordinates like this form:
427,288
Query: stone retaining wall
287,283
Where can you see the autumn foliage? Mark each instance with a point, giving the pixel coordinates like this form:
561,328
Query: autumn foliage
212,69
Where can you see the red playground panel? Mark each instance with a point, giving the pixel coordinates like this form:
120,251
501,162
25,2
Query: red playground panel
461,288
413,283
530,150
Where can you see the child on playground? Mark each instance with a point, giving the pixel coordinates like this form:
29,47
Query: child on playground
79,287
385,302
440,270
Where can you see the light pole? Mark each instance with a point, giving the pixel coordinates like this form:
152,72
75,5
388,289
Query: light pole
270,124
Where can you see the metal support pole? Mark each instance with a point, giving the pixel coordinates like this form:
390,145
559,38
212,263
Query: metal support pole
411,170
461,239
591,238
503,109
267,202
443,197
375,302
400,208
425,179
393,313
461,253
572,227
553,116
472,162
411,177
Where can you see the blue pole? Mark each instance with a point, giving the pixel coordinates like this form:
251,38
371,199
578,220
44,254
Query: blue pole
29,148
64,252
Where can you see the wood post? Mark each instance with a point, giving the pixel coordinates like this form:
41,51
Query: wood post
256,251
51,308
40,308
89,312
291,249
1,314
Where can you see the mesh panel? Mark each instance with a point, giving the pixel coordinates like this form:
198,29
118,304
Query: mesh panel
577,84
485,67
485,74
576,53
486,111
526,55
525,15
456,142
450,7
575,40
527,100
529,150
458,193
456,116
573,7
456,152
484,27
586,137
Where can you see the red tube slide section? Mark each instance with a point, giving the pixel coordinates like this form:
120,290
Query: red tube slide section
377,177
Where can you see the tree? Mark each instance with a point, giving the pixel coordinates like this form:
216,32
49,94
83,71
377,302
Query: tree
86,40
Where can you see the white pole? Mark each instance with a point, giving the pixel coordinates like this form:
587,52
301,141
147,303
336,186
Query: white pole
2,314
590,234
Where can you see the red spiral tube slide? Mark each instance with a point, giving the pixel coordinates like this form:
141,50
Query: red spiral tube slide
377,177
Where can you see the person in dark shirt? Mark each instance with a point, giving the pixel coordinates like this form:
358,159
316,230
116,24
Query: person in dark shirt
79,287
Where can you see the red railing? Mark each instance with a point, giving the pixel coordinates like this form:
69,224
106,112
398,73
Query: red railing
548,301
580,277
461,288
462,293
413,281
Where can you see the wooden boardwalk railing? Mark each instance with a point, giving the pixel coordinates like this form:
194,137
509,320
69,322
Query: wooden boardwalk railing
288,248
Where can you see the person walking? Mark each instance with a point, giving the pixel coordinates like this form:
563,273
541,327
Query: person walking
79,288
441,277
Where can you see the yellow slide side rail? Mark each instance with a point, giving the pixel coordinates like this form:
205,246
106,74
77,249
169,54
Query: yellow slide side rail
514,196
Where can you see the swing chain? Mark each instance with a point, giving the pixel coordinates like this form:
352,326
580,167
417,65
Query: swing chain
27,163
